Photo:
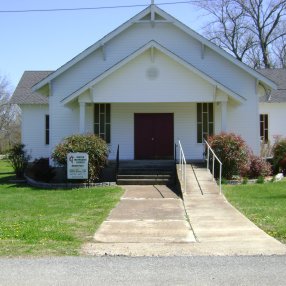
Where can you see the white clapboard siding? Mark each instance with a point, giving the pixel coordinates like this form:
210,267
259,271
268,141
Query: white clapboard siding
160,80
174,89
33,130
276,118
167,35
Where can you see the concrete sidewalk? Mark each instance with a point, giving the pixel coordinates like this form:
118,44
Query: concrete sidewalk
146,214
154,221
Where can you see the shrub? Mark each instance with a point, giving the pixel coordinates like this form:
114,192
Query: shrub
41,170
260,180
232,151
19,159
279,156
91,144
257,167
224,181
245,181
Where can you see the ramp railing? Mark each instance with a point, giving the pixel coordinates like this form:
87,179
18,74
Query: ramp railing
211,155
182,167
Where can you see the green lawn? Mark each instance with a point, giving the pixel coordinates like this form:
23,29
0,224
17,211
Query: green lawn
47,222
264,204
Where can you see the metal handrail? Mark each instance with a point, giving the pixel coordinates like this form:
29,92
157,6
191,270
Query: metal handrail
117,161
213,162
182,167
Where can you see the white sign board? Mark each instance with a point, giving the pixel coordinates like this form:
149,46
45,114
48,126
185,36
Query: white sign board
77,165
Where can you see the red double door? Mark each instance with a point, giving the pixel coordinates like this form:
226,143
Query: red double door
154,136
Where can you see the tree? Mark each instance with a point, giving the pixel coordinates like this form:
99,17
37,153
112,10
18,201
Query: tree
253,31
9,117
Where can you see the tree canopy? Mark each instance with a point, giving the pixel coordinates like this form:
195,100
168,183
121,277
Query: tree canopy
254,31
9,117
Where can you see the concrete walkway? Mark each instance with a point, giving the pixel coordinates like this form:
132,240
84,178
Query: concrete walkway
146,214
154,221
218,226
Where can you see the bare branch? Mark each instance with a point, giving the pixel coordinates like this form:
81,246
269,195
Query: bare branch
247,28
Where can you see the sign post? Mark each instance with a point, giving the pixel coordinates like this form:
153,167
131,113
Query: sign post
77,165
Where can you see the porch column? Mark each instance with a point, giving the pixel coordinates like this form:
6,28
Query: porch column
82,117
223,106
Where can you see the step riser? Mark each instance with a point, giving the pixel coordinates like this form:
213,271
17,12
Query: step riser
144,182
146,173
138,177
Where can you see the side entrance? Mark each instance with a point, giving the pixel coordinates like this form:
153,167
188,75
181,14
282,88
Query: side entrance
154,136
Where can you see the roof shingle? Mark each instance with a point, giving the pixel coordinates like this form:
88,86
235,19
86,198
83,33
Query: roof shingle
23,93
279,77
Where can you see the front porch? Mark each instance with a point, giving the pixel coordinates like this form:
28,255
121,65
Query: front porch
151,130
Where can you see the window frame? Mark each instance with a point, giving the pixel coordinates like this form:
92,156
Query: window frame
47,129
205,120
102,121
264,127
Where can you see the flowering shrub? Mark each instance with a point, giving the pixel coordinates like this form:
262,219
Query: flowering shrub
233,152
279,155
257,167
91,144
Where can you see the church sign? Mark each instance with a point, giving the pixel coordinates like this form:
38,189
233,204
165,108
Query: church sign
77,166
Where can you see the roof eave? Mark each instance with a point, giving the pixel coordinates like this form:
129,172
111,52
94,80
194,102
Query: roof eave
92,48
219,50
177,23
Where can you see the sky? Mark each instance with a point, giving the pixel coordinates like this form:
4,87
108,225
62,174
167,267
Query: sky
47,40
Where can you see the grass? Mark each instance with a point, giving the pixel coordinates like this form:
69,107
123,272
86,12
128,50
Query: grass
49,222
264,204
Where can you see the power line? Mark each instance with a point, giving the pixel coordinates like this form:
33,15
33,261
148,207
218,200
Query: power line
91,8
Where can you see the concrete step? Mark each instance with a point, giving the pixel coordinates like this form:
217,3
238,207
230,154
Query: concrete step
145,172
148,163
142,176
152,181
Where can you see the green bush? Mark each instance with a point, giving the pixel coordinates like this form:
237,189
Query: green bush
91,144
232,151
41,170
260,180
245,181
19,159
279,156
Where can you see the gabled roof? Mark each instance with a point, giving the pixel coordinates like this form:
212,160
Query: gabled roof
158,15
23,93
153,45
279,77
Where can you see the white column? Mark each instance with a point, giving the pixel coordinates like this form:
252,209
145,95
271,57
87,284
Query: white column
82,117
223,106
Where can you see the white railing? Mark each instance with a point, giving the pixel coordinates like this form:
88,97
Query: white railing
214,157
182,167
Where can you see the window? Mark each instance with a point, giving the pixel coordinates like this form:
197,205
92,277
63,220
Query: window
264,127
47,129
205,121
102,121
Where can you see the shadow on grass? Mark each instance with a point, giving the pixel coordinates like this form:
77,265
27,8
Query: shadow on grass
6,180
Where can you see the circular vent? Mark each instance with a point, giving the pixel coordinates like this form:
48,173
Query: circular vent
152,73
